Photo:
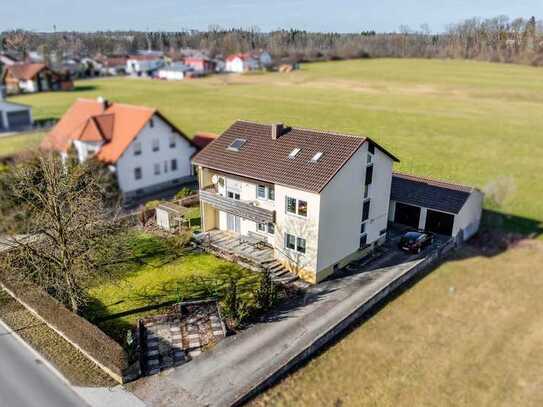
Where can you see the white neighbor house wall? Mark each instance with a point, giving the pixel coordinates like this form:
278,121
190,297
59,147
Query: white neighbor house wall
86,149
342,203
182,152
241,65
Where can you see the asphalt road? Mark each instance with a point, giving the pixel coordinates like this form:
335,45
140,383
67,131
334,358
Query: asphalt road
26,382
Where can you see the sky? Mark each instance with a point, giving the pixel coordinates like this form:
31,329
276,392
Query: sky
311,15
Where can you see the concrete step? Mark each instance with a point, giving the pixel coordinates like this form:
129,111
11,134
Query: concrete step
286,280
279,273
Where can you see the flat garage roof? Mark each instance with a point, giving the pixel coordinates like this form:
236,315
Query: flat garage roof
428,193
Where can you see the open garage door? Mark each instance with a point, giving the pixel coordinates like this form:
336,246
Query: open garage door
407,215
439,222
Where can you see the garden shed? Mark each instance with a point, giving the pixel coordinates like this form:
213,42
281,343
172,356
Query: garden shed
170,216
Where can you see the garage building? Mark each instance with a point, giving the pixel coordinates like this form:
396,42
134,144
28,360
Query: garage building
435,206
14,116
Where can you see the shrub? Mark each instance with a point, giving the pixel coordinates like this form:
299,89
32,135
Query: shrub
499,191
266,294
152,204
183,193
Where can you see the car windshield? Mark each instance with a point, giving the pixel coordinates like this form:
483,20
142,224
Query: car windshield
411,236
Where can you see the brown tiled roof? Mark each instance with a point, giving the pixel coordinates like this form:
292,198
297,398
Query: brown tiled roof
429,193
265,159
89,120
25,72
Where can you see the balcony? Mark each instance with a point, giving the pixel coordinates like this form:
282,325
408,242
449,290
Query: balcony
209,195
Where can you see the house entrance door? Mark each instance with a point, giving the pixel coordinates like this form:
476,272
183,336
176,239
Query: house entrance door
233,223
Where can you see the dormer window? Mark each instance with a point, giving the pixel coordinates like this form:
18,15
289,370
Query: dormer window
294,153
316,157
236,144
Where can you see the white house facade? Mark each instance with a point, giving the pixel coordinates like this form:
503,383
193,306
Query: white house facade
240,63
319,199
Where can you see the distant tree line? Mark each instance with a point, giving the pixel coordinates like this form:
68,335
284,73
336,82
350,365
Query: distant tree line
498,39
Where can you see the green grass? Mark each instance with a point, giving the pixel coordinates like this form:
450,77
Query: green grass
14,144
464,121
469,334
158,276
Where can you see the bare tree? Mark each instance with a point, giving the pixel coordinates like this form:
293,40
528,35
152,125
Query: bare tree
69,242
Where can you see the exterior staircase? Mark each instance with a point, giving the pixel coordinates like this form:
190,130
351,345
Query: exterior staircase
281,275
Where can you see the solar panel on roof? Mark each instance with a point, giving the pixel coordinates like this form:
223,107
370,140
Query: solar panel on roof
237,144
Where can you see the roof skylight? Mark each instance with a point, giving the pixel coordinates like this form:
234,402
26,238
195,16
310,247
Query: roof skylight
294,152
316,157
236,144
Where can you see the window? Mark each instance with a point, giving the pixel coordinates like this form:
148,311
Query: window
261,227
152,123
366,191
174,164
370,158
291,205
271,193
172,141
137,173
366,211
261,192
233,195
300,245
363,241
156,144
294,153
157,169
371,148
369,174
296,206
265,192
236,144
137,148
165,167
383,232
291,242
295,243
362,228
316,157
271,228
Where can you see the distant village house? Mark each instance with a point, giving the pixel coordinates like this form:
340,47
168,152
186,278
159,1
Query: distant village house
30,78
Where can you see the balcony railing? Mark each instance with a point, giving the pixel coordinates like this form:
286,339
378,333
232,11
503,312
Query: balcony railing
234,207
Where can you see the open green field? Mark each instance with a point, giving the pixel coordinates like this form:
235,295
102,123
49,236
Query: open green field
469,334
463,121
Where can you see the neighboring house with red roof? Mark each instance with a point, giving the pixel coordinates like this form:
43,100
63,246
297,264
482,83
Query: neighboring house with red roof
240,63
202,139
30,78
201,64
145,150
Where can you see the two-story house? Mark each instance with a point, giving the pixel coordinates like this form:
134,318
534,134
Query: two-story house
144,149
320,199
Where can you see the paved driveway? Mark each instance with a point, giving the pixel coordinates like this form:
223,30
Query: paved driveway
222,375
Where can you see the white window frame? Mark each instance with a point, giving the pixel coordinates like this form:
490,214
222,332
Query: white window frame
156,169
156,144
267,195
297,213
138,169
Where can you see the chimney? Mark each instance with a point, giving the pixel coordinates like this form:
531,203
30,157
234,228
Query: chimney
103,101
277,130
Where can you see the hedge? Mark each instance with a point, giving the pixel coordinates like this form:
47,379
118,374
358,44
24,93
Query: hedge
87,338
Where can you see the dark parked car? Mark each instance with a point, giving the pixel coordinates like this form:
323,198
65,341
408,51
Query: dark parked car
415,241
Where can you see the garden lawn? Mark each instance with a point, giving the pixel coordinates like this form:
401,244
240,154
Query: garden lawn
161,276
20,142
464,121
